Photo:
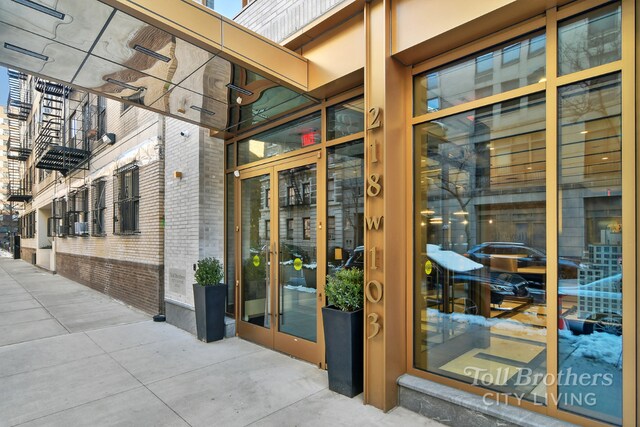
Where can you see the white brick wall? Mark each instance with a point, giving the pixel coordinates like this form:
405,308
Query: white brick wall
194,207
132,128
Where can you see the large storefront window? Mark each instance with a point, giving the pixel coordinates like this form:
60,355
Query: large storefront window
482,277
480,263
590,230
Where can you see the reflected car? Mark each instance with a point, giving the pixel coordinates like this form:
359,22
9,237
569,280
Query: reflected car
525,256
356,260
500,284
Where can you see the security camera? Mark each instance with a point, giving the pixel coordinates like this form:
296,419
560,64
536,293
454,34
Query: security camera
184,133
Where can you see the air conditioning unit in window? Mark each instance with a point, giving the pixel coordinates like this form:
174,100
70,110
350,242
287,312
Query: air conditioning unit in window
81,228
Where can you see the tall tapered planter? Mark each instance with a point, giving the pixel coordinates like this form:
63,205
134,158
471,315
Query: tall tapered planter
209,304
343,334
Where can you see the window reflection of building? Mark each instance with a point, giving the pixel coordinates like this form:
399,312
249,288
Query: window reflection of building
481,199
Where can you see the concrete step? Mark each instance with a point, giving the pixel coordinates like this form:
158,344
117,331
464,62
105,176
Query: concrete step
459,408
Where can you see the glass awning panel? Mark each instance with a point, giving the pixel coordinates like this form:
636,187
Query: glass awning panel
174,57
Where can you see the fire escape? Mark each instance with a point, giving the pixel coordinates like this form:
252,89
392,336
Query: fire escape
52,150
18,150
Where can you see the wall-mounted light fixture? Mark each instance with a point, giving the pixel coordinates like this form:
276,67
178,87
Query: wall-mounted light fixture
177,174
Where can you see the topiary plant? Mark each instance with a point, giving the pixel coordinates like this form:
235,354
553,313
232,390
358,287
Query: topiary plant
209,272
345,289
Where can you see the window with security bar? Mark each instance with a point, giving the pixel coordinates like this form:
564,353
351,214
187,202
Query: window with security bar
126,205
98,207
57,223
77,213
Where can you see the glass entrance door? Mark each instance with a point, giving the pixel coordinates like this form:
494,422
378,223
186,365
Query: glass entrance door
279,288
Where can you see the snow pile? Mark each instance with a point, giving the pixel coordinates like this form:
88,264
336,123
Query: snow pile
471,319
5,254
301,289
600,346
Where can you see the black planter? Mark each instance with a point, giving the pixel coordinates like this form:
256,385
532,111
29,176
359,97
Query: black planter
343,335
209,304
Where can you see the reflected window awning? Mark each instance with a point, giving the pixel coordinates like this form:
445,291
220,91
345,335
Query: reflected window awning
174,57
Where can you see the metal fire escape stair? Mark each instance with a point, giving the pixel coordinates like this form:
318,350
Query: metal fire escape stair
18,110
51,152
18,151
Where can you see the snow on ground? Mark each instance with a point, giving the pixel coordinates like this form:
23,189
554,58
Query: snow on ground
5,254
600,346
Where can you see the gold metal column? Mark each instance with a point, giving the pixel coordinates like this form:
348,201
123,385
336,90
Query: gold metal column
385,211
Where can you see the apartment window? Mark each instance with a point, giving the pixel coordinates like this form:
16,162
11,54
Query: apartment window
267,230
28,225
77,215
290,229
484,63
306,193
267,198
57,223
331,228
511,54
101,117
537,45
126,203
86,123
331,186
291,195
98,206
73,130
306,228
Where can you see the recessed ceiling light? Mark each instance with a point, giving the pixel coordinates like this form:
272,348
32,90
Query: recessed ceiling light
41,8
239,89
24,51
584,132
202,110
123,84
151,53
605,158
542,80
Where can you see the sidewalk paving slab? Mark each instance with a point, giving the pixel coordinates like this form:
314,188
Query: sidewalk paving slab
95,361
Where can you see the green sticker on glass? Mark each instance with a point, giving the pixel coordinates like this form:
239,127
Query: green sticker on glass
256,260
297,264
428,267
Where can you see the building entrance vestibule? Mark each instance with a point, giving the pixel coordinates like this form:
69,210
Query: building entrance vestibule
277,255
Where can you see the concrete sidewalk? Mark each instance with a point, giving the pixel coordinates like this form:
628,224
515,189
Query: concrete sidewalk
71,356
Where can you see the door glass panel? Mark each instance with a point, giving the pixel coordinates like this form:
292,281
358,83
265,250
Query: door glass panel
345,206
255,251
590,234
297,221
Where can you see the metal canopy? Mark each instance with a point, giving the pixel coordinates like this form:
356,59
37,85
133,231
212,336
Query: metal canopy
175,57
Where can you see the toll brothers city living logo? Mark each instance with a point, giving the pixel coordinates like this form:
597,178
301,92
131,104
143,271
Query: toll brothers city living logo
574,389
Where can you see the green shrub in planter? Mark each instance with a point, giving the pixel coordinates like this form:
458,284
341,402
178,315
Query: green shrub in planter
345,289
209,272
343,324
209,295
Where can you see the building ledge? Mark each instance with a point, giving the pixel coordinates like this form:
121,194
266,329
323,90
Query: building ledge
455,407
